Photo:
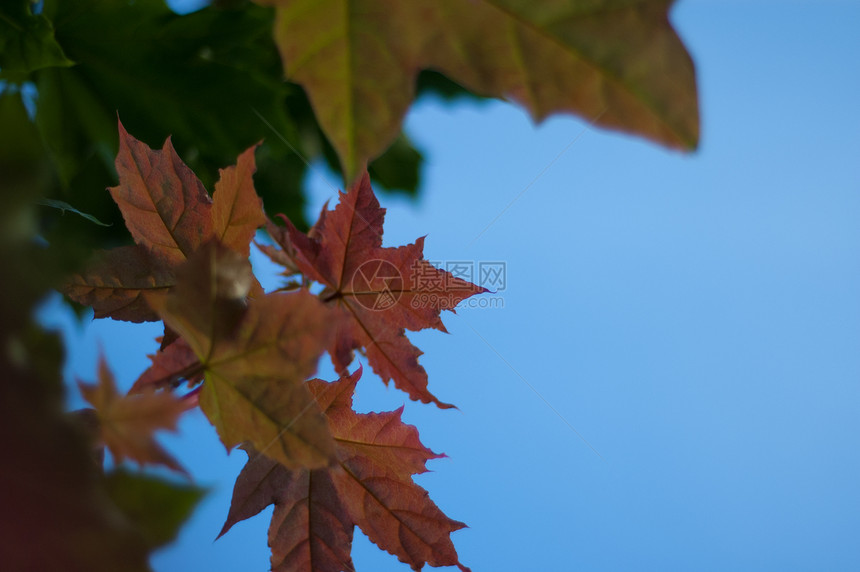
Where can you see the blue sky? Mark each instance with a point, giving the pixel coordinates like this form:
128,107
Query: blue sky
694,318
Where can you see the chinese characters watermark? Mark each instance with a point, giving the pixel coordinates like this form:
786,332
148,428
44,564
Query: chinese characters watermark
379,285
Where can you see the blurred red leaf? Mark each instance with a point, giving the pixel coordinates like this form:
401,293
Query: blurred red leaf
127,423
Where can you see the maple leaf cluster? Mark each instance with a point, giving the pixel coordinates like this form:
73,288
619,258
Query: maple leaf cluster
249,354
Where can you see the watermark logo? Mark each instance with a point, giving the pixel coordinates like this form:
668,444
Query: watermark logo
426,277
377,284
449,301
462,269
493,275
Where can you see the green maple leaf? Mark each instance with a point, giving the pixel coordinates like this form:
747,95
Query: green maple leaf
618,63
27,41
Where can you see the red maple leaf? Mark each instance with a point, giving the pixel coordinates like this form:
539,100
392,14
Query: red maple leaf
371,486
170,216
381,291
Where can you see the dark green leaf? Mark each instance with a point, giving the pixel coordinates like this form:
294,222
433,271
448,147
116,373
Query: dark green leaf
201,78
27,41
157,507
399,168
64,206
23,166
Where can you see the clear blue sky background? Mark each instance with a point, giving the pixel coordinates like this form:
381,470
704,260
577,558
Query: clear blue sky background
695,318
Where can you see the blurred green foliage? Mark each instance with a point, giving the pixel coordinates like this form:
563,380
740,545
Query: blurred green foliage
212,80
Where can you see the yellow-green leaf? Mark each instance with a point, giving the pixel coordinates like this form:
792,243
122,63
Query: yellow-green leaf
27,40
256,356
617,63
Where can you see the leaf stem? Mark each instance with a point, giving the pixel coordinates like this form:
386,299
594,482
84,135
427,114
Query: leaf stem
192,398
171,380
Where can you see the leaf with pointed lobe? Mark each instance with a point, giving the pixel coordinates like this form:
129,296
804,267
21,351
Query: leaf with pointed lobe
164,204
379,454
310,530
255,355
285,255
127,423
398,515
371,486
237,211
170,217
279,257
380,292
380,436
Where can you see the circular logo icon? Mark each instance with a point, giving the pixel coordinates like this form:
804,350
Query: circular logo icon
377,285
